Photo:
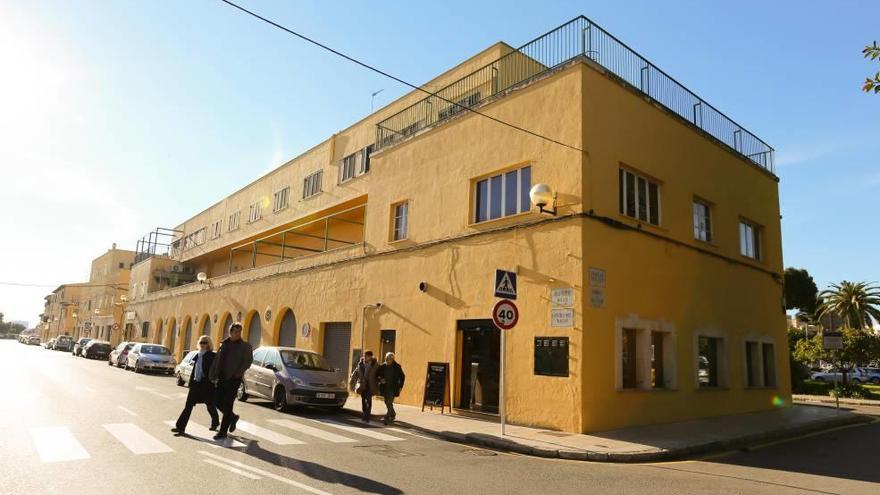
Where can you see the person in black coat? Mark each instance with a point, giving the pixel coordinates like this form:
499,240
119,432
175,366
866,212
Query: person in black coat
201,390
391,378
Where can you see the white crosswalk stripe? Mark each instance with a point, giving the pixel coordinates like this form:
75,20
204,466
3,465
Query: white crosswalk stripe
311,431
365,431
198,431
135,439
301,486
56,444
232,469
265,434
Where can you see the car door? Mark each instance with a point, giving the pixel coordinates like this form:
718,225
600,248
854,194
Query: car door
133,355
265,376
251,375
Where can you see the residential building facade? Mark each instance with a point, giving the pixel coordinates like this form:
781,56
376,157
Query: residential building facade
649,291
102,306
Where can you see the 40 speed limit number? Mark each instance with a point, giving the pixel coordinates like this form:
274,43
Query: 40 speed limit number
505,314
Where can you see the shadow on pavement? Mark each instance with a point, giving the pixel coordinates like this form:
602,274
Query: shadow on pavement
317,471
849,453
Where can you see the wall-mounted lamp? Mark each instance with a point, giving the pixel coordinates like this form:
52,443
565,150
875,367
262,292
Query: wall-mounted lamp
202,277
542,195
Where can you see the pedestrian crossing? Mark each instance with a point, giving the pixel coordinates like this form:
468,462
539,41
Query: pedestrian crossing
56,443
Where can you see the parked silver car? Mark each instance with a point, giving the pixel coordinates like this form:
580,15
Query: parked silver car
78,346
184,369
294,377
119,356
150,357
855,375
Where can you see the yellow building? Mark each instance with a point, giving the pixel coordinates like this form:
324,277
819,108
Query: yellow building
648,291
102,305
60,312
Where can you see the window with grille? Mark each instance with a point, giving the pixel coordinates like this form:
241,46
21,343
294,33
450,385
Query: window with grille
216,229
282,199
312,184
232,224
502,195
255,212
639,197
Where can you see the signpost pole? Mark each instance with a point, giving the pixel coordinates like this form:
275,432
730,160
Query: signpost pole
503,375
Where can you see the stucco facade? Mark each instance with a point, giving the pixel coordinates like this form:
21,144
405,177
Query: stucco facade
641,326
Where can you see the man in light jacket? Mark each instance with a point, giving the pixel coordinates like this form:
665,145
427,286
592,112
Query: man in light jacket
365,382
233,359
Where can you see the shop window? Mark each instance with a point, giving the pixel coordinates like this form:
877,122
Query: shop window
551,356
628,358
710,362
502,195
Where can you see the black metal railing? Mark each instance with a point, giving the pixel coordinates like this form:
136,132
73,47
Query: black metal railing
576,38
159,242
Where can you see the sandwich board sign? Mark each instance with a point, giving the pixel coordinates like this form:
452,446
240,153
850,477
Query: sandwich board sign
505,284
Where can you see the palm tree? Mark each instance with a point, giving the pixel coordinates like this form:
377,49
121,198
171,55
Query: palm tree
854,302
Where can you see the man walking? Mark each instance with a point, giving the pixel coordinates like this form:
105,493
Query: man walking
365,382
233,359
391,380
201,390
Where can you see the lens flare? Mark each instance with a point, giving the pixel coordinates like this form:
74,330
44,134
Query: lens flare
777,401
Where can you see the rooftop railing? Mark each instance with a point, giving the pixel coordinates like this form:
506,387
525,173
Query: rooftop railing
579,37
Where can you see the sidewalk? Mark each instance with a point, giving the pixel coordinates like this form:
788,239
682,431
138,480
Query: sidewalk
637,444
827,399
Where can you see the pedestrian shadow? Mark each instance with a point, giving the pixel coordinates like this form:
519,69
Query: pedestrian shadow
317,471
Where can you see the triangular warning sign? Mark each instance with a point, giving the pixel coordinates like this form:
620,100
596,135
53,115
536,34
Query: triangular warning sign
506,285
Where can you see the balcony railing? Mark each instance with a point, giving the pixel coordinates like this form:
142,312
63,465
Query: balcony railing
579,37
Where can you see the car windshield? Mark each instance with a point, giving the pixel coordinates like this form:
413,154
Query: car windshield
304,360
154,349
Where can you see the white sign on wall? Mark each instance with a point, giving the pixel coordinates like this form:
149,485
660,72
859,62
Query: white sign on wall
129,315
597,277
561,317
597,297
562,297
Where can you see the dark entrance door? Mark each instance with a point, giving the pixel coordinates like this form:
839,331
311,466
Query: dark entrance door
287,335
387,340
337,344
479,365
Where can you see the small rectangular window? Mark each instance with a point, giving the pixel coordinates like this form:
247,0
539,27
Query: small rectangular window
400,227
702,221
709,355
282,198
753,364
348,168
232,224
639,197
255,212
749,240
628,357
502,195
365,162
312,184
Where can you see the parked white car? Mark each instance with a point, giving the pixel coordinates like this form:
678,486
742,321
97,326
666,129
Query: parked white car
855,375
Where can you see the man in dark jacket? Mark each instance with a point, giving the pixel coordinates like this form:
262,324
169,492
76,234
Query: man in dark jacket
364,380
391,380
233,359
201,390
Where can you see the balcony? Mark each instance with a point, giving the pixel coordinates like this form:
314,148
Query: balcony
578,38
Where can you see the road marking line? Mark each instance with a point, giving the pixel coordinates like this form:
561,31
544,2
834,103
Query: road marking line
401,430
232,469
151,391
367,432
129,411
267,474
315,432
259,431
57,443
136,440
200,432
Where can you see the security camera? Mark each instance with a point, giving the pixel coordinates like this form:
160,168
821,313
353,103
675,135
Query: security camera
423,286
378,305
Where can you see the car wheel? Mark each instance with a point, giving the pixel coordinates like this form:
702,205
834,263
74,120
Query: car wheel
875,381
819,379
242,393
279,399
856,381
136,369
109,363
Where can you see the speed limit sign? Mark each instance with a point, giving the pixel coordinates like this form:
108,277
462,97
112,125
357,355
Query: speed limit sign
505,314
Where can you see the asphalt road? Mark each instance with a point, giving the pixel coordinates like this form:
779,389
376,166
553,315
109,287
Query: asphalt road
69,425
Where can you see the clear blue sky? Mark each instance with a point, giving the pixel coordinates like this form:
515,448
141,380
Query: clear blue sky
117,117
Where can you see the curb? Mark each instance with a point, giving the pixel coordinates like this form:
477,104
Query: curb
502,444
821,399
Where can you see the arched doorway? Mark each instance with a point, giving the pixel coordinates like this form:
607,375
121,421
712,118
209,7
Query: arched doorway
160,333
172,335
287,332
255,330
227,323
187,335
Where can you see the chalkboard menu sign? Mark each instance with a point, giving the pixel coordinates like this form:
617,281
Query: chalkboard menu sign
437,387
551,356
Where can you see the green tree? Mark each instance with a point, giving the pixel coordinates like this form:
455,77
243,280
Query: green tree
800,291
859,347
872,83
854,302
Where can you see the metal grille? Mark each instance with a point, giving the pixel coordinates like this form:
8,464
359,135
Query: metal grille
579,37
337,344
